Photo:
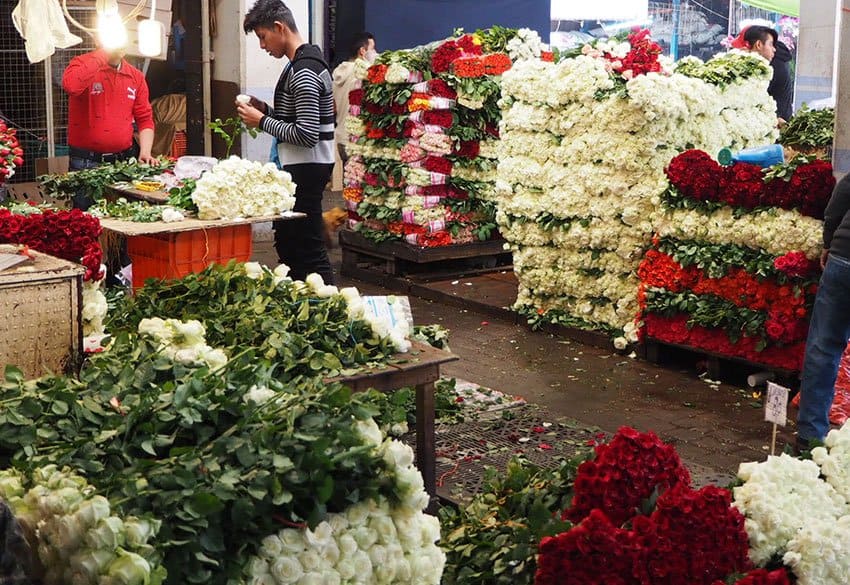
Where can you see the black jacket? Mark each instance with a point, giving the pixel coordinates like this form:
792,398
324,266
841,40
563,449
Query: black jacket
781,87
836,220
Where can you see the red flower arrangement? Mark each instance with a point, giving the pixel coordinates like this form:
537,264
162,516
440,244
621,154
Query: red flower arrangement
11,153
436,239
762,577
471,66
496,63
355,97
441,118
695,175
467,148
444,55
468,45
795,265
605,483
641,59
547,56
439,88
377,73
693,537
70,235
438,164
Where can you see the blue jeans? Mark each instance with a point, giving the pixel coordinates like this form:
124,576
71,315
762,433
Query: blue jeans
829,331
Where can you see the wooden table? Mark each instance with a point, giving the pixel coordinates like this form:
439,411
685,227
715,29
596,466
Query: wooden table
420,368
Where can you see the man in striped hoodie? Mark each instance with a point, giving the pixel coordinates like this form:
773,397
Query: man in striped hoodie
302,121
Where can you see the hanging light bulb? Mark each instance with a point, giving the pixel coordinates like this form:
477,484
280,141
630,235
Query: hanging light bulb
111,31
150,37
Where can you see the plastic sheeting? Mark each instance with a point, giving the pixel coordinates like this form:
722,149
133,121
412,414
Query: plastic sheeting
840,411
787,7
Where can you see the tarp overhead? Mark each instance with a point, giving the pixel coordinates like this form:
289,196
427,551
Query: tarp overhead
787,7
401,24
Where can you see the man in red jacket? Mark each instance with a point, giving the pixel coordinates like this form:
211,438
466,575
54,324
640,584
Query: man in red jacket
106,95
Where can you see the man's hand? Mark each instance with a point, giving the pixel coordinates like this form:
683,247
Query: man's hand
823,256
147,159
780,123
250,115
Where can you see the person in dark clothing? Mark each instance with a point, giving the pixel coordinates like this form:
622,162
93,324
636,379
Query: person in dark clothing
302,121
764,41
829,329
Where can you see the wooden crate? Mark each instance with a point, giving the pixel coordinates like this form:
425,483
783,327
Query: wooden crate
362,257
41,304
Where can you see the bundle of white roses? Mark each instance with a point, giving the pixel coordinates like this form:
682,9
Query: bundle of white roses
94,308
80,541
800,511
581,167
239,188
183,342
372,542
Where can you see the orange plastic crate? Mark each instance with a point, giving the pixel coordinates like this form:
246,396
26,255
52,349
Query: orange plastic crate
174,255
178,144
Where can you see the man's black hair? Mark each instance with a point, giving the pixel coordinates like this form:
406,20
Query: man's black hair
359,41
264,13
758,32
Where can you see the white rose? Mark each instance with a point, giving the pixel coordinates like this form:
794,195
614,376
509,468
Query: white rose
281,273
315,281
338,523
258,566
384,528
287,570
109,534
271,546
362,566
254,270
310,560
397,454
92,511
259,395
370,432
346,569
365,537
357,514
347,545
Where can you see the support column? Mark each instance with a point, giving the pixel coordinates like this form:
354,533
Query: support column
193,51
816,50
841,148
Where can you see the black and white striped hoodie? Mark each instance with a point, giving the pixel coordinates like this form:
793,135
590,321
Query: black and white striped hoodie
303,116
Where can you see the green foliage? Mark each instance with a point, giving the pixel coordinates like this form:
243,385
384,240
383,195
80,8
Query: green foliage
537,318
181,197
138,211
96,182
809,128
229,130
494,539
725,69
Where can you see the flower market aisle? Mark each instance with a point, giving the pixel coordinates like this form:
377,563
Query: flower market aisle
714,426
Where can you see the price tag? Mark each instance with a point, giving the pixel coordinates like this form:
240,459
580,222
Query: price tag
776,404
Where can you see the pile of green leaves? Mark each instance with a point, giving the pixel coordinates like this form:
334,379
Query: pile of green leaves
809,128
185,445
724,69
494,539
138,211
181,197
96,182
281,322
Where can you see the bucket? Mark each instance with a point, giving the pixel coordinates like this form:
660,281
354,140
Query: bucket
764,156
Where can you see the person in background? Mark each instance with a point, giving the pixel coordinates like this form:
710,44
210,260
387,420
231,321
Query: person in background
765,41
302,121
106,95
829,329
362,47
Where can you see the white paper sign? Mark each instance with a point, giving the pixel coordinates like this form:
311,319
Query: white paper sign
394,308
776,404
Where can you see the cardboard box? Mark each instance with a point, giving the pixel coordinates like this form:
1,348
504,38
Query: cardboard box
51,166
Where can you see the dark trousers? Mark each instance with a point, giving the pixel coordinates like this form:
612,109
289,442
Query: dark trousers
300,243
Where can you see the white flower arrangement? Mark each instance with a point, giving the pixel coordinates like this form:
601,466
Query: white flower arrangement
834,460
183,342
94,308
79,540
239,188
819,554
525,45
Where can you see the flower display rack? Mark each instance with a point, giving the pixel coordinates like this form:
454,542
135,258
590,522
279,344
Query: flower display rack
41,303
362,258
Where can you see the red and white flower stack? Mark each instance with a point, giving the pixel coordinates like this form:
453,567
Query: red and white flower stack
423,129
11,153
734,267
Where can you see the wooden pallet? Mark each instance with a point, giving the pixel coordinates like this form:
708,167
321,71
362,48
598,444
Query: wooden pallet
654,350
364,259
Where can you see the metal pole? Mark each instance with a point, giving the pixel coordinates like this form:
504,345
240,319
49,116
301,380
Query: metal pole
48,107
674,39
193,52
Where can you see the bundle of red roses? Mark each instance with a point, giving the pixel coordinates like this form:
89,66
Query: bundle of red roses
742,185
689,536
795,265
11,153
762,577
438,164
695,175
70,235
641,59
624,473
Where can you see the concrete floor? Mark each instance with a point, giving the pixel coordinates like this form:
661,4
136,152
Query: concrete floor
714,426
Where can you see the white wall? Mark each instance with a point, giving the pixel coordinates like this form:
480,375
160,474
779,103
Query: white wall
816,51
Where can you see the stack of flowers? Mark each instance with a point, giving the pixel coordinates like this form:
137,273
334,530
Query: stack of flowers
80,540
638,521
236,188
734,268
70,235
11,153
798,511
583,147
423,128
